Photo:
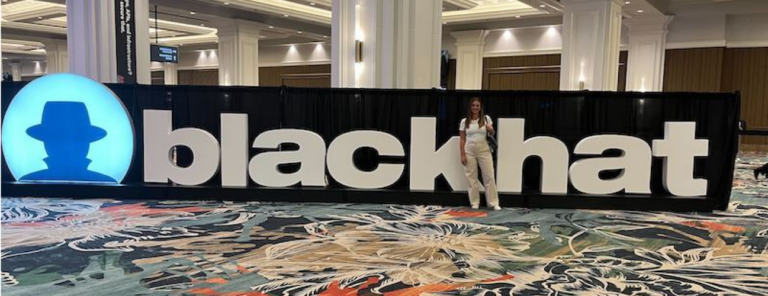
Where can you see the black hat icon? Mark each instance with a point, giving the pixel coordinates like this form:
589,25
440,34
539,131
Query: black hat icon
67,134
66,120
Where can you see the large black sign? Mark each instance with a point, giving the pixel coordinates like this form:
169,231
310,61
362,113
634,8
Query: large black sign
125,41
163,54
567,116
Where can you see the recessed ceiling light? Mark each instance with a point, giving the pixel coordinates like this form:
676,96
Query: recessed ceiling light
300,32
312,3
39,17
517,16
626,2
640,11
192,12
181,44
226,3
325,36
271,27
285,15
542,6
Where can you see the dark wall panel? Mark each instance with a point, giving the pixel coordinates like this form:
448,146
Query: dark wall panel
697,69
746,70
277,76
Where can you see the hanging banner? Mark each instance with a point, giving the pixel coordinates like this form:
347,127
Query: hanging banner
125,41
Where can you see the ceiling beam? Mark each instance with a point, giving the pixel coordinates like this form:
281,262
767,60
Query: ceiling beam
39,11
461,4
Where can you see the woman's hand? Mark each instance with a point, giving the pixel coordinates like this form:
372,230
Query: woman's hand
489,128
463,159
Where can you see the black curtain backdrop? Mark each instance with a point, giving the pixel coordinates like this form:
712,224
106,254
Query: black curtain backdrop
567,116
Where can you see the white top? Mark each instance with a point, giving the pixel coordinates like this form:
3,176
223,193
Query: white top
475,133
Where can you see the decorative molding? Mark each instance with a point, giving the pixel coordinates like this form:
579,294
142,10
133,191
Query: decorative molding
292,9
696,44
34,27
462,4
513,53
296,63
490,11
745,44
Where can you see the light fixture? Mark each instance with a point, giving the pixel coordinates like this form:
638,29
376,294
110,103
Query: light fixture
312,3
542,6
517,16
202,25
626,2
192,12
285,15
358,51
640,11
300,32
226,3
324,36
262,36
39,17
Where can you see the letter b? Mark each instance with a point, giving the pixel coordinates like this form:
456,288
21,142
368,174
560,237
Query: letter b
160,138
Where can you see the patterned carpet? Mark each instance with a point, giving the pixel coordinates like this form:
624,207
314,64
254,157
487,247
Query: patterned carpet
98,247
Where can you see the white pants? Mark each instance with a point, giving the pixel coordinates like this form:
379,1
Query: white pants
480,153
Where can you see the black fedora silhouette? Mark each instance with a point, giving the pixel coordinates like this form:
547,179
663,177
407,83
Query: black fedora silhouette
67,133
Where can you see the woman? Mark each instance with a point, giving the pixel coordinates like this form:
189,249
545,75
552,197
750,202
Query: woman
474,150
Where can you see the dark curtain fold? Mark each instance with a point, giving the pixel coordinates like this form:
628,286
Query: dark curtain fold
567,116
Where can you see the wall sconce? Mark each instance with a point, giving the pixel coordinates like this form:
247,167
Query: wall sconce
358,51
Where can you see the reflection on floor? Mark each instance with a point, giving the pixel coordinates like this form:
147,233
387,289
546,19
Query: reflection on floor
96,247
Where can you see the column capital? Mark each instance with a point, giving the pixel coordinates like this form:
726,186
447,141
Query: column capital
51,42
473,37
232,26
651,24
576,2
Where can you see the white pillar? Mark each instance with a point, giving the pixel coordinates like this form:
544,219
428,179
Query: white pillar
469,58
343,43
239,52
91,40
171,73
401,42
143,62
591,36
16,71
647,46
56,54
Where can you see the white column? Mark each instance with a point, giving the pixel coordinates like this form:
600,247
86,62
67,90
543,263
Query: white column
171,73
469,58
591,36
401,42
16,71
143,63
239,52
91,40
343,43
56,54
647,46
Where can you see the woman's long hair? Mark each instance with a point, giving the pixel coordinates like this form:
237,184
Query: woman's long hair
481,115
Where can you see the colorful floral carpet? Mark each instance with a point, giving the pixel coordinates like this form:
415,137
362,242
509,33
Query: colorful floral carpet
100,247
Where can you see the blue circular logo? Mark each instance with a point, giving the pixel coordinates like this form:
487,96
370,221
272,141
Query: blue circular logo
65,127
